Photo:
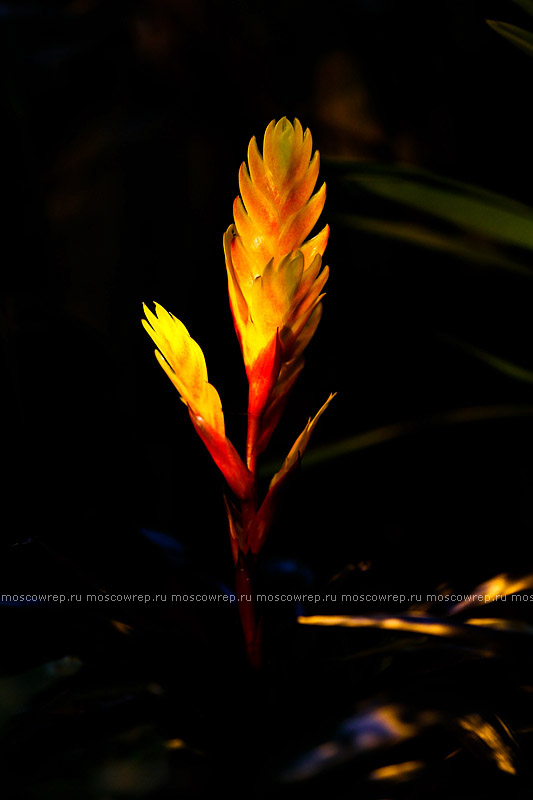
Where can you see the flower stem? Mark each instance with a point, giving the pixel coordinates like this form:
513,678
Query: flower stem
251,626
245,560
254,426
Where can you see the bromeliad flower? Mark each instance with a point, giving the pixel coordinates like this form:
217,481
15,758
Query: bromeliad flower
275,280
274,276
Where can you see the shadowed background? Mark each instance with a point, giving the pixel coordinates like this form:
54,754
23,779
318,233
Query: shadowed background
124,125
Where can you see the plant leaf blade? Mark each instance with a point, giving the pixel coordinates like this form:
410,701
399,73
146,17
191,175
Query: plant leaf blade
511,225
518,36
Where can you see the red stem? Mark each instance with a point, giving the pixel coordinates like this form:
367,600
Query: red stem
254,425
250,625
245,561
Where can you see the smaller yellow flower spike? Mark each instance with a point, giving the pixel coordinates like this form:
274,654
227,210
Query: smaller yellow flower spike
183,361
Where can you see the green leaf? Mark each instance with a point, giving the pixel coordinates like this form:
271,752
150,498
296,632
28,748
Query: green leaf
388,433
468,249
527,5
515,371
517,36
352,170
480,213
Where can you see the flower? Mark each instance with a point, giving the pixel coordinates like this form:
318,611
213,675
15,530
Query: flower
275,282
183,361
275,278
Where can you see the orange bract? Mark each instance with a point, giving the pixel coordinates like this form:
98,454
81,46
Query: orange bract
273,273
275,278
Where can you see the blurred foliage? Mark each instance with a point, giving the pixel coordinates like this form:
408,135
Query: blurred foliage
517,36
481,213
527,5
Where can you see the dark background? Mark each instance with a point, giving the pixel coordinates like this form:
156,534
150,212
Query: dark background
124,125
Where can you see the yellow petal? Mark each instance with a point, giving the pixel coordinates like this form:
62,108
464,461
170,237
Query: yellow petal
183,361
297,227
315,246
239,306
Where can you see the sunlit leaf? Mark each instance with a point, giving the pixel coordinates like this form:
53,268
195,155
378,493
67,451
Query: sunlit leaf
180,744
397,772
469,249
175,744
480,213
122,627
482,732
484,638
517,36
500,364
509,625
425,626
494,589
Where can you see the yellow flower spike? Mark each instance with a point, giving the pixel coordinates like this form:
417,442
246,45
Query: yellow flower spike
274,276
183,361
